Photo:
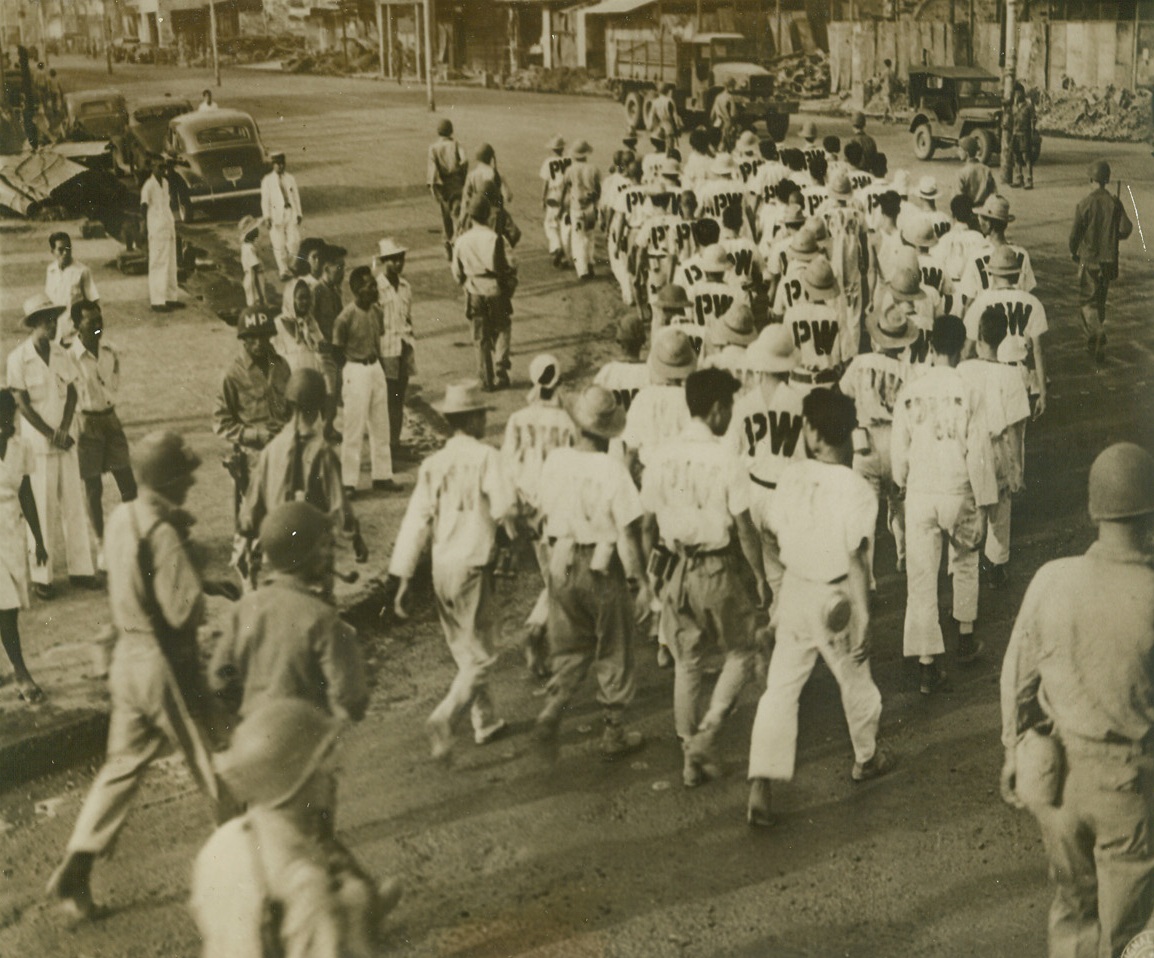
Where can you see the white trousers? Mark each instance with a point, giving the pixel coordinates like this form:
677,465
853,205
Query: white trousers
929,516
619,266
59,495
162,286
286,243
581,240
998,529
366,395
801,637
556,230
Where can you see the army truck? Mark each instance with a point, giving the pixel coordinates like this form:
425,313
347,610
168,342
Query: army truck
638,66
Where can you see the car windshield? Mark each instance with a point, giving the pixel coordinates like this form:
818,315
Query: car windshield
734,49
164,112
977,90
231,135
97,107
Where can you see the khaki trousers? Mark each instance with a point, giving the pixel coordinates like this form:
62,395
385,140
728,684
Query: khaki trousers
464,599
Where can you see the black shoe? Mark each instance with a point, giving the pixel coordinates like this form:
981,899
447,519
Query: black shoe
386,485
175,304
933,679
86,582
759,811
997,576
969,648
502,382
43,591
162,309
876,767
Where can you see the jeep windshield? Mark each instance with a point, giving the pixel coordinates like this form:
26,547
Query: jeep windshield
978,93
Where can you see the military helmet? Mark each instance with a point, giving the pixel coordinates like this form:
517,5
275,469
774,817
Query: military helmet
255,322
291,533
1122,483
161,458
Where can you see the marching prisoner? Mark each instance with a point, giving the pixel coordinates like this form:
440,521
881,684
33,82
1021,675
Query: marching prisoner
580,194
552,177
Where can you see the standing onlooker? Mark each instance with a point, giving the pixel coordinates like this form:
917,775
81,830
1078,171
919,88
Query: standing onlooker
482,266
158,692
666,120
397,340
156,207
1078,716
1099,223
357,335
298,338
17,507
941,457
1023,120
327,305
461,495
869,146
206,102
102,446
974,178
250,265
280,207
448,167
42,376
67,282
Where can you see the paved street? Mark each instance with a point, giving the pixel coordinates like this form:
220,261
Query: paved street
500,857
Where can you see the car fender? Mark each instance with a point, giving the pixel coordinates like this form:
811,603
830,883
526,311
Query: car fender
920,119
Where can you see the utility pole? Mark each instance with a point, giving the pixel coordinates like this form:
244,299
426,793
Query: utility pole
381,38
429,54
1009,68
212,36
107,35
41,31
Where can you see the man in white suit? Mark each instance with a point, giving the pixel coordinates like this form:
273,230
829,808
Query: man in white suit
280,206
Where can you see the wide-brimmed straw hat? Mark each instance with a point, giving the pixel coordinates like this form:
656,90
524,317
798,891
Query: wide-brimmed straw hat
673,296
556,143
462,398
919,231
818,280
671,355
714,259
734,327
840,186
582,148
927,188
597,411
722,165
1003,262
803,247
996,208
247,224
891,328
774,351
39,309
389,247
905,285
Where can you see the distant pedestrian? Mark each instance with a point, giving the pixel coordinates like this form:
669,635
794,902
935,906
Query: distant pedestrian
17,511
327,305
398,340
448,167
252,270
1099,223
723,116
482,265
156,207
66,282
102,446
461,496
1078,717
280,208
485,181
158,691
666,118
206,102
1022,123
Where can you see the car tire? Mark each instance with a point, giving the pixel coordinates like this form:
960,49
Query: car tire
987,147
634,114
924,142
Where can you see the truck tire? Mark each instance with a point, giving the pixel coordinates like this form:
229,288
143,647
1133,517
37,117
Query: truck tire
647,121
777,125
633,109
987,146
924,142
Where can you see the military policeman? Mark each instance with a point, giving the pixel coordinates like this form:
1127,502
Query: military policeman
580,195
447,169
1078,715
1022,121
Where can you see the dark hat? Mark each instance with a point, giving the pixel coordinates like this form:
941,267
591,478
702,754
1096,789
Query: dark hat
445,128
161,458
480,209
255,322
274,155
1100,172
291,533
1121,483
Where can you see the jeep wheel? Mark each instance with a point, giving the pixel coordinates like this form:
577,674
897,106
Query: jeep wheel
633,113
923,142
987,146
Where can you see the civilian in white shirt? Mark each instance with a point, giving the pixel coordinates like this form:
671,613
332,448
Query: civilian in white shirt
207,103
67,282
397,341
461,495
102,446
823,516
695,494
156,203
592,520
280,207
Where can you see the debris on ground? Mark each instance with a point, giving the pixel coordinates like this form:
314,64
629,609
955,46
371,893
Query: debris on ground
573,80
1097,113
804,75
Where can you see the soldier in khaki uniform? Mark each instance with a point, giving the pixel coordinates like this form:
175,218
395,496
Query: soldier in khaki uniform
1078,716
580,194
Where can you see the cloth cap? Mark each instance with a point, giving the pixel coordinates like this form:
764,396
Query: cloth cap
291,533
1121,483
275,751
714,259
906,285
1100,172
246,225
306,389
39,309
901,184
597,411
1004,262
545,371
818,280
927,188
556,143
582,148
734,327
859,120
389,247
673,296
919,231
671,355
809,130
774,351
794,215
996,208
461,398
161,458
445,128
891,328
255,322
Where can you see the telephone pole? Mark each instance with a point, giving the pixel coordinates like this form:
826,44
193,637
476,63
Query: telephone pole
1009,68
212,33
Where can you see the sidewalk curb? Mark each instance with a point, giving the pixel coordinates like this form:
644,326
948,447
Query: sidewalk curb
63,740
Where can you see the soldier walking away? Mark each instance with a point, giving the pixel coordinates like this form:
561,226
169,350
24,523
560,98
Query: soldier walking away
974,178
1022,122
1078,716
869,146
280,208
273,882
159,699
461,496
666,119
1099,223
552,178
447,169
592,521
823,516
482,266
723,116
580,194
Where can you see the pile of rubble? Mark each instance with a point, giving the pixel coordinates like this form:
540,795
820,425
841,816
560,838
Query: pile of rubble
563,80
804,75
1096,113
357,57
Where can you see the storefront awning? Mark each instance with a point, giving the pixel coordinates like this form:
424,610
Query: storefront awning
610,7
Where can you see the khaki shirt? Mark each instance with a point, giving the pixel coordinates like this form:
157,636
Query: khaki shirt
358,332
98,381
47,387
251,399
480,262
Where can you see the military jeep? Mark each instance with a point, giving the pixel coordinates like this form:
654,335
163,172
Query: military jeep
951,103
